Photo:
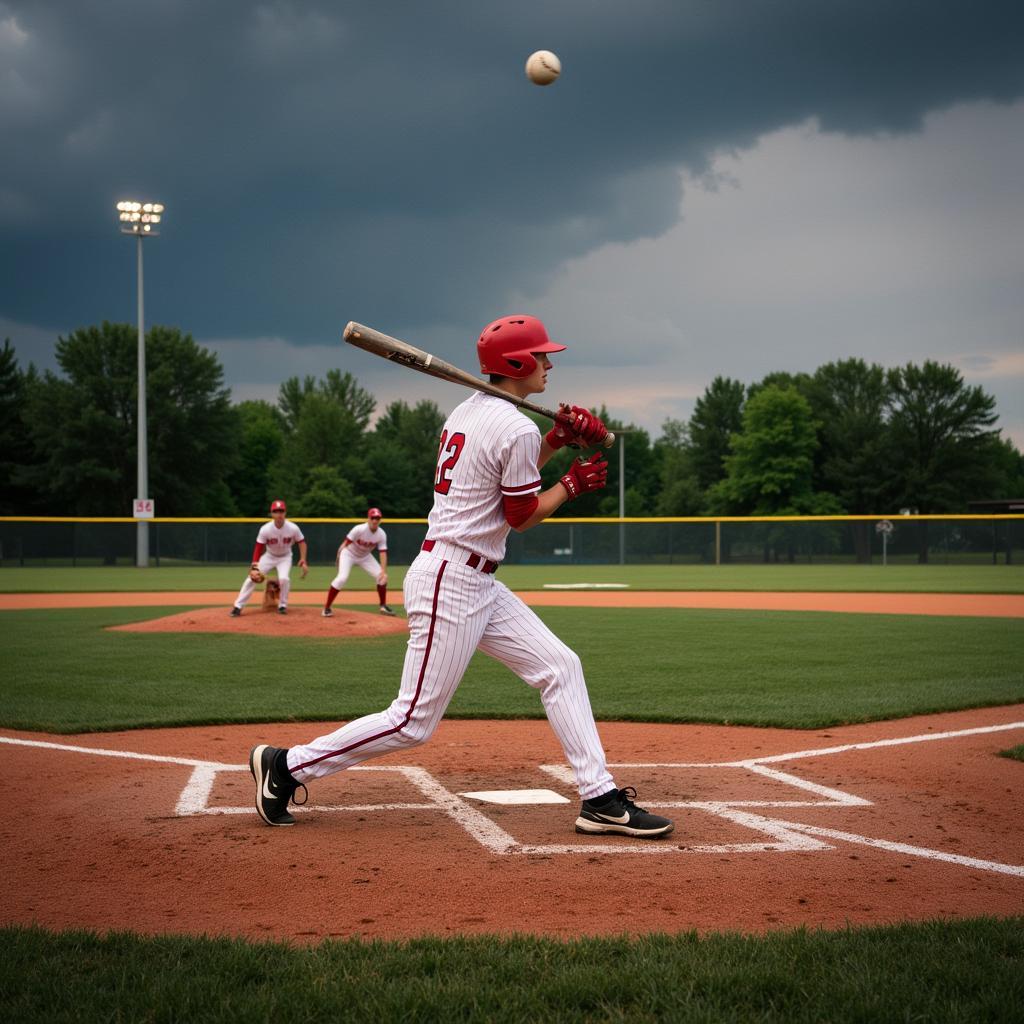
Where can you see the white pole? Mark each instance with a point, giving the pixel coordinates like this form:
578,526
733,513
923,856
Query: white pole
622,498
142,536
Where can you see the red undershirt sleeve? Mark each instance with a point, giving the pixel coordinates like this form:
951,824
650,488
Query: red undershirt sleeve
518,510
257,552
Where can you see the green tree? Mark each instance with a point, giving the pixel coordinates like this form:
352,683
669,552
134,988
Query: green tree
15,450
83,424
769,469
800,382
679,493
402,457
717,415
943,451
341,389
325,434
1011,462
325,425
262,431
849,399
193,433
327,495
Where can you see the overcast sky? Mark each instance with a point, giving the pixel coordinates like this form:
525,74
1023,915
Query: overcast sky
711,187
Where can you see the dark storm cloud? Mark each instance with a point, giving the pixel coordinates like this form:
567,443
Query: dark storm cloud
389,162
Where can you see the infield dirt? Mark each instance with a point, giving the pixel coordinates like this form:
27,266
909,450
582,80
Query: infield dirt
304,622
154,830
113,832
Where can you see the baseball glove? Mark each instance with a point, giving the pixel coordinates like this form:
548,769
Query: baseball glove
255,575
271,596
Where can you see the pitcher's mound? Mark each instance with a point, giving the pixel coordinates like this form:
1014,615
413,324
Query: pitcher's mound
298,622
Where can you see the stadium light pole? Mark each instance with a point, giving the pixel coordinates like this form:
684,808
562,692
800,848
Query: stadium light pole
143,221
621,434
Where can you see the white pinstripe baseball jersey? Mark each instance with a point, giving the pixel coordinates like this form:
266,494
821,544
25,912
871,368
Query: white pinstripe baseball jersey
488,449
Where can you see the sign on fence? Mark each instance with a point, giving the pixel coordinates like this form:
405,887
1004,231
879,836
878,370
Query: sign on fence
885,528
144,508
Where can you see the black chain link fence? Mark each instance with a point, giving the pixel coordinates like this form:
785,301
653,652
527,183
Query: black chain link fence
993,540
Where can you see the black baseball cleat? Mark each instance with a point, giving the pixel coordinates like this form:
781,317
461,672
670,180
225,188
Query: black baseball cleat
282,610
327,613
274,785
235,611
386,610
620,816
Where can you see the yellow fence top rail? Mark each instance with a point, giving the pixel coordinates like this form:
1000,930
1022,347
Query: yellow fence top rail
566,520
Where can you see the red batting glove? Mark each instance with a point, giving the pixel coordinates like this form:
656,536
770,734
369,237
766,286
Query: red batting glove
576,426
586,475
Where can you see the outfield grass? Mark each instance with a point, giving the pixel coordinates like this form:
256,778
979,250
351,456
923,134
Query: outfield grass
66,673
960,579
939,971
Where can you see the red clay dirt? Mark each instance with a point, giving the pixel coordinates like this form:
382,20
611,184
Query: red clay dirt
305,622
154,830
103,841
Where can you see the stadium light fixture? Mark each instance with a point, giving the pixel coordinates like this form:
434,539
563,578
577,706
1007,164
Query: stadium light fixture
143,221
139,218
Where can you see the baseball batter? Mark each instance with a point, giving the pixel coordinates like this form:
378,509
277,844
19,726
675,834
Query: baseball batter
487,481
273,552
357,549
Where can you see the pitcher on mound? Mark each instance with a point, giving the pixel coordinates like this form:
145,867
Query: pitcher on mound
273,553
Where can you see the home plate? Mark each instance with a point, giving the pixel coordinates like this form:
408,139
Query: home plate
518,796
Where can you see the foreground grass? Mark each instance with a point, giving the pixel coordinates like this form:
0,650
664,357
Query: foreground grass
66,673
1016,753
862,578
938,971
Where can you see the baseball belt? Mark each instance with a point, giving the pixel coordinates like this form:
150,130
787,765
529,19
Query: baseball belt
474,561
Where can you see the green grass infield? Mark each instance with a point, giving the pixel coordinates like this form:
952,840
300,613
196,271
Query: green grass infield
65,672
955,971
962,579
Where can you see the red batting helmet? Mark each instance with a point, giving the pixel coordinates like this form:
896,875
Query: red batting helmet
506,346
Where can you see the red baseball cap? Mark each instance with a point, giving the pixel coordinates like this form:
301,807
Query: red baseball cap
278,506
373,513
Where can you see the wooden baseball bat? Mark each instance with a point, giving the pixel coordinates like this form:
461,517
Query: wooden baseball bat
416,359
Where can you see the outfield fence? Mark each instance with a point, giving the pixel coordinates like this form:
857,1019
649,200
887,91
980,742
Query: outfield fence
939,539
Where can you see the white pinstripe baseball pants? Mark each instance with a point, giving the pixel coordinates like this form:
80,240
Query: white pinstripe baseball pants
454,610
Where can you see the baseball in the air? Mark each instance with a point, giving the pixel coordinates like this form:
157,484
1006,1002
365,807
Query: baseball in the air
543,67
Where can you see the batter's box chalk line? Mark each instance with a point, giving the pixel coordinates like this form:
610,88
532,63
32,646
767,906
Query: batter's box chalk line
778,835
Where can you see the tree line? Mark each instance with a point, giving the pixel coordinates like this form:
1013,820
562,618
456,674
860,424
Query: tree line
850,438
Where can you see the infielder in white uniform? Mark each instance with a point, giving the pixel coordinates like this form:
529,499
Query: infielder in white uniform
273,550
357,549
487,482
